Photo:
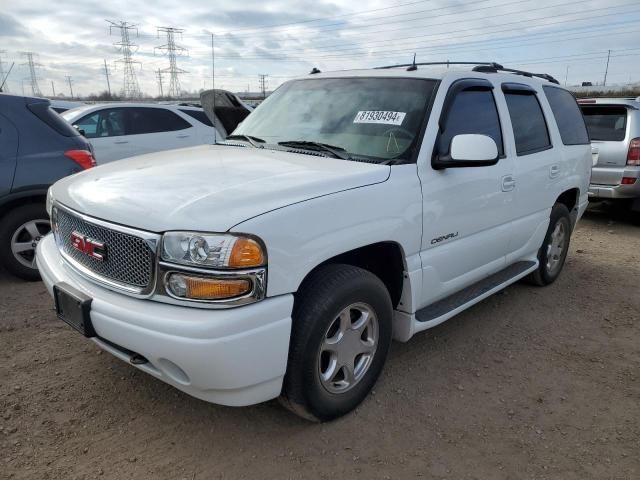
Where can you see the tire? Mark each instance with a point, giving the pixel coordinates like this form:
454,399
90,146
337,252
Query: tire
551,259
334,304
22,227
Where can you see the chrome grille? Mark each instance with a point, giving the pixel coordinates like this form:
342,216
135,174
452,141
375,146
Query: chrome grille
129,259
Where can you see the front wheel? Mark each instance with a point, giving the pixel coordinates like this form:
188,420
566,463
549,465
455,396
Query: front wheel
554,249
339,342
20,231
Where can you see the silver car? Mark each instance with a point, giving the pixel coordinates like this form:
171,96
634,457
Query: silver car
614,130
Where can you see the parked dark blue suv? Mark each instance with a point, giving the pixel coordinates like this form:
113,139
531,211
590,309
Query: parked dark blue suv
37,148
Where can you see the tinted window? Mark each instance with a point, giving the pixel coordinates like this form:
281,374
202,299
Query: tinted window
606,123
199,115
153,120
472,111
568,116
529,126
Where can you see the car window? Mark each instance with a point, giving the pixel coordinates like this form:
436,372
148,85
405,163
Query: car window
104,123
568,116
199,115
606,123
529,126
472,111
141,120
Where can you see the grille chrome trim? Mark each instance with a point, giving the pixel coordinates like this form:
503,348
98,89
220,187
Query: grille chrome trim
151,241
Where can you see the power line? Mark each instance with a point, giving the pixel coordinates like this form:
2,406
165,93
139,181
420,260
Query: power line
130,89
33,77
172,51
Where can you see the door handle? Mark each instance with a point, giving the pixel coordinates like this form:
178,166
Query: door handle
184,136
508,183
554,171
121,142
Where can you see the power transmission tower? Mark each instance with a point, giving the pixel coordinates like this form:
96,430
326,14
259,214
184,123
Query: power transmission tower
68,77
159,74
33,77
130,89
106,74
172,51
263,84
2,73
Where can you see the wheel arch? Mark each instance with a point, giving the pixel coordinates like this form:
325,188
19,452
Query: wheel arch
570,198
386,260
14,200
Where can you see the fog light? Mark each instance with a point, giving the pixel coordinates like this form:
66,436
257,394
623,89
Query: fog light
203,288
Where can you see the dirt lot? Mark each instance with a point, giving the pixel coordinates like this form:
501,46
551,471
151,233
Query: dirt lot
532,383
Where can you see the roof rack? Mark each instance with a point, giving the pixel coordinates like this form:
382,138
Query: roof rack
484,67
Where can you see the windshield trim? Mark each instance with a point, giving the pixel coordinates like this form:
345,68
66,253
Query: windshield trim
414,147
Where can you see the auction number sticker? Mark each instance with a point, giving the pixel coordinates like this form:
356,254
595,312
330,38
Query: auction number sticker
380,116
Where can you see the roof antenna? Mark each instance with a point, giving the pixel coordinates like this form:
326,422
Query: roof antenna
314,71
413,66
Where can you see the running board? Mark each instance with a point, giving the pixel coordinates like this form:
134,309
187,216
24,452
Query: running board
448,307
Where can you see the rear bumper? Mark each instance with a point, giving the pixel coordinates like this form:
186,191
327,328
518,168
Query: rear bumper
616,191
233,357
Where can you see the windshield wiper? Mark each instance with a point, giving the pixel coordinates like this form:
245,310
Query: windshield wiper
254,141
337,152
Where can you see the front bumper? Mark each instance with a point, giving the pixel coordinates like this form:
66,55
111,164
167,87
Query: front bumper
235,356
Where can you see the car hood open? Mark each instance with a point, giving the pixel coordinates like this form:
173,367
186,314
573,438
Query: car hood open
207,188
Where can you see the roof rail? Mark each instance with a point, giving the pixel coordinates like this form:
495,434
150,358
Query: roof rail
485,67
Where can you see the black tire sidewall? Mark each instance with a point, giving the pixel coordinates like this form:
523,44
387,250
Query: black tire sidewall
366,288
8,226
559,213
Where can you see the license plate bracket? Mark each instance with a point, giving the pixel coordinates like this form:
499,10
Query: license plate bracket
73,307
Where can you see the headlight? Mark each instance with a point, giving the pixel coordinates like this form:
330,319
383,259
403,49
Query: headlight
212,250
49,202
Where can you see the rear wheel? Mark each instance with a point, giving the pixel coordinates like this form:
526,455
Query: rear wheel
339,342
20,232
554,249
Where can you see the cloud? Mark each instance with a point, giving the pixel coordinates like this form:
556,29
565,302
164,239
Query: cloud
9,27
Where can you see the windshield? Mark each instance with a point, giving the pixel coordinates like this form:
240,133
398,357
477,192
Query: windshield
374,118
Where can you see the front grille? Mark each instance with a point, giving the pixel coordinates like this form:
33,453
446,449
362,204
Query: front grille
129,260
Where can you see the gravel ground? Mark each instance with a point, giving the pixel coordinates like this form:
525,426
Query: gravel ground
531,383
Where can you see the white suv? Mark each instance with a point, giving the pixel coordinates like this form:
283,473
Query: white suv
350,208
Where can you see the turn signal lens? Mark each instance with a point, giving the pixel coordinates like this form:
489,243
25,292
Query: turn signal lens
202,288
633,156
246,253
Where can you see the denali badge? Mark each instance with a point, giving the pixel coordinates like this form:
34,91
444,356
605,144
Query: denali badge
92,248
444,237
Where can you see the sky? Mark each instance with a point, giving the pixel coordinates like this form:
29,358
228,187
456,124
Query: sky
283,39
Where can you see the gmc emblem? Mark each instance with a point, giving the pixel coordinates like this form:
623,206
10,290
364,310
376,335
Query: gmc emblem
88,246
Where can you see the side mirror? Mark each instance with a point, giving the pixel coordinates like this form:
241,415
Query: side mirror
81,131
469,150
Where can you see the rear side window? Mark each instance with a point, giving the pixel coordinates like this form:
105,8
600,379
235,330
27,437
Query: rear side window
606,123
199,115
472,111
142,120
103,123
44,112
568,116
529,126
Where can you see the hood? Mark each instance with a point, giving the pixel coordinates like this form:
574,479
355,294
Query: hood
208,188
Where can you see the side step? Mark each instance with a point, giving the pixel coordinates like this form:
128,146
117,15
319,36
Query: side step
475,292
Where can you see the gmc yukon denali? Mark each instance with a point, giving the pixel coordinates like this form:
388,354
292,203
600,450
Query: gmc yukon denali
349,209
